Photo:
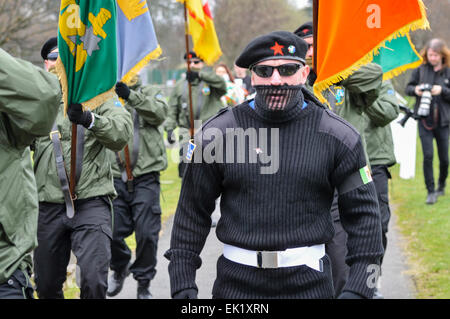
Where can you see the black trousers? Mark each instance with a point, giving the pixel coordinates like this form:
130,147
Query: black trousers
381,176
337,247
138,212
88,234
441,134
18,286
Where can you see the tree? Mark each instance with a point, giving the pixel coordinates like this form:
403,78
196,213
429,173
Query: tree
237,22
26,24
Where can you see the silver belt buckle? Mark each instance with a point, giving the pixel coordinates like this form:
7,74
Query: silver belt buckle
267,259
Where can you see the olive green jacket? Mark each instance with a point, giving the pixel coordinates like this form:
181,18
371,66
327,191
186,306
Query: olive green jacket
29,98
206,94
111,130
149,104
355,95
378,134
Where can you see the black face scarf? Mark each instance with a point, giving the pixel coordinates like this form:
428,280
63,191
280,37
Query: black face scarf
278,103
278,98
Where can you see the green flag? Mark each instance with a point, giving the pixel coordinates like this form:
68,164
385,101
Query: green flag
397,56
87,64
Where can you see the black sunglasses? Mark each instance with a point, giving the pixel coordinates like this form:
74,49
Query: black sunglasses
195,61
53,56
266,71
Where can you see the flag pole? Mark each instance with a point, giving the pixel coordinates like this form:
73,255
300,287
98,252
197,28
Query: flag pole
188,61
315,32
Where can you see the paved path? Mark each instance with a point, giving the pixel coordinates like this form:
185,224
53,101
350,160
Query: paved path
394,284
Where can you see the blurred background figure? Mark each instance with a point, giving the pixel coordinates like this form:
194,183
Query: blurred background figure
235,92
242,75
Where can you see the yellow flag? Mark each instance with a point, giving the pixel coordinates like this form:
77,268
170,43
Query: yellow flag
202,30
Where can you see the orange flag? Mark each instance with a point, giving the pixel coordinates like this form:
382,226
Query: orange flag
202,30
350,32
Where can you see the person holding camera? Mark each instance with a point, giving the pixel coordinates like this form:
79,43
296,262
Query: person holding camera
430,83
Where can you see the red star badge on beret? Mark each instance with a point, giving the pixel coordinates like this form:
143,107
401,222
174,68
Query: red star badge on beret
277,49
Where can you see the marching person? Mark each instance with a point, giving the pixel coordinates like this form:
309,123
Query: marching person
207,90
88,233
29,99
276,220
137,208
380,149
433,78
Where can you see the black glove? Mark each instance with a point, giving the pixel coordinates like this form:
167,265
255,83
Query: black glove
170,139
350,295
78,116
186,294
122,90
191,76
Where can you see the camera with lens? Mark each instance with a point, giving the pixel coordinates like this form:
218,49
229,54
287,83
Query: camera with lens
425,101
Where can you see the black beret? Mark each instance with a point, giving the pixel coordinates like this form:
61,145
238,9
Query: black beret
192,55
305,30
275,45
48,47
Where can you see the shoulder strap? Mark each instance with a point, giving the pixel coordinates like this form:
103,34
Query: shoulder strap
55,137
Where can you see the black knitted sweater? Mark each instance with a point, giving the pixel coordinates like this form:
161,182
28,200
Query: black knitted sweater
287,209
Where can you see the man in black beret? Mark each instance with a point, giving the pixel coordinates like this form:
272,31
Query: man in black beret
276,186
49,53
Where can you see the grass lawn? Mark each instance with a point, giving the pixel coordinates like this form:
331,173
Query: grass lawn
426,229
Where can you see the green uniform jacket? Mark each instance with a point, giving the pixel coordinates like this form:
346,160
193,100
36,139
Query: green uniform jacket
152,110
29,98
206,94
378,134
353,96
112,129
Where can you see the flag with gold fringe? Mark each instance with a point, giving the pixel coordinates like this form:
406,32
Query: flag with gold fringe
203,31
137,44
87,63
349,33
397,56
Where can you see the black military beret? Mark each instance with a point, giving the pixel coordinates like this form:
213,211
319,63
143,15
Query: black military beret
305,30
275,45
192,55
48,47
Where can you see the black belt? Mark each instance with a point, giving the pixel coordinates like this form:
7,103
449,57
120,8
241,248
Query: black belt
134,156
55,137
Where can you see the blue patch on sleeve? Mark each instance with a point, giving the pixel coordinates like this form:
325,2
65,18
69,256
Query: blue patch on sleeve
117,103
391,92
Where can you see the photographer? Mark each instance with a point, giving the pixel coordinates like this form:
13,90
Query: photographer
430,84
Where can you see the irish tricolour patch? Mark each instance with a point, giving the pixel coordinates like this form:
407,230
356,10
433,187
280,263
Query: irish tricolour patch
366,176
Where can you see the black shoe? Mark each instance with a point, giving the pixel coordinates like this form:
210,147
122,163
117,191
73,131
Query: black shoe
115,282
143,290
431,198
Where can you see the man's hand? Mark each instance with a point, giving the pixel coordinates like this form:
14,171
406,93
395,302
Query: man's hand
436,90
186,294
191,76
418,91
122,90
78,116
170,138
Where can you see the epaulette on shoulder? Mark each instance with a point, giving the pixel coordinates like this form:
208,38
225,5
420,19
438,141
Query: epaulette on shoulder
334,125
222,120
